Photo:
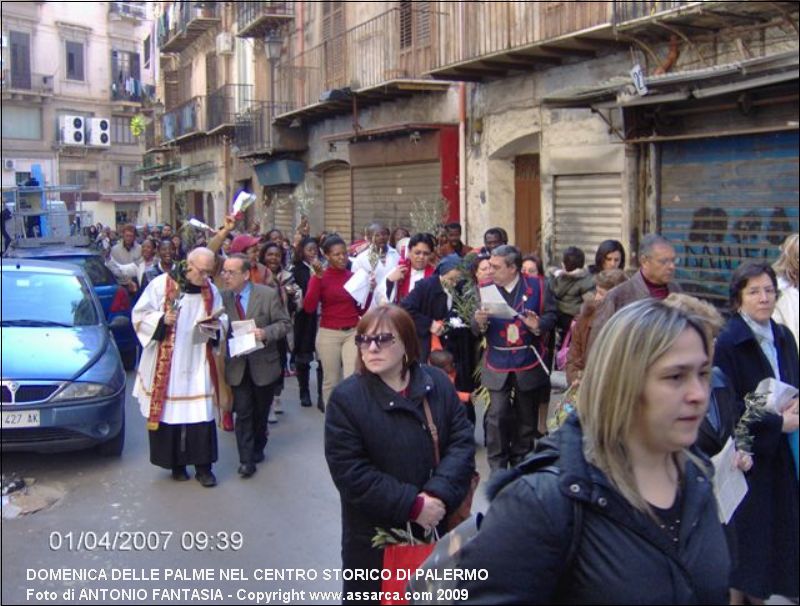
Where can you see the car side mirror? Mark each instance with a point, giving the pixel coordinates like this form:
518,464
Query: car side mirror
119,323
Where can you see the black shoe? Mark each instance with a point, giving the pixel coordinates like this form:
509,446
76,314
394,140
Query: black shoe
179,473
258,457
305,399
246,470
206,479
321,406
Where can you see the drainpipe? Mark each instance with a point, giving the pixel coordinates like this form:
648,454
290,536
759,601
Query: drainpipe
462,131
462,157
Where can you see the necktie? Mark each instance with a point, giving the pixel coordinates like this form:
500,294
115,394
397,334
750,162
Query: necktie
239,307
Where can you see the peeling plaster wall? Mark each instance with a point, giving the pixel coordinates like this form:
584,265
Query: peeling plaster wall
569,141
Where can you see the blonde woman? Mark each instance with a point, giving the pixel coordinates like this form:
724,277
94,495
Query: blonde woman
614,508
787,309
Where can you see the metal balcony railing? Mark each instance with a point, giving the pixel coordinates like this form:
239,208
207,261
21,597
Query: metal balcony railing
186,119
470,31
14,80
225,102
135,92
134,10
636,9
254,130
152,134
397,44
183,22
254,19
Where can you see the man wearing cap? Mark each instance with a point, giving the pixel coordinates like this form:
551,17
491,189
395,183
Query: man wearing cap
514,359
431,301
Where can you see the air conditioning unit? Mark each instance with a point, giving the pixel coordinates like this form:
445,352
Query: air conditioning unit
100,132
9,164
224,43
73,130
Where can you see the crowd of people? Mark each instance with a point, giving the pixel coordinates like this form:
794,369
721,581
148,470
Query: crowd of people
409,330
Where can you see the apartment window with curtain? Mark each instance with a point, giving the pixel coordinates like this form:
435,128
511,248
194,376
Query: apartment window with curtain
146,52
125,76
74,51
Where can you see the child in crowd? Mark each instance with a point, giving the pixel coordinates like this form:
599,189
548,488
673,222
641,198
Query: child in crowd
443,360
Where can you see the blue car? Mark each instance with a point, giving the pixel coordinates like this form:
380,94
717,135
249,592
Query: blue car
113,297
63,385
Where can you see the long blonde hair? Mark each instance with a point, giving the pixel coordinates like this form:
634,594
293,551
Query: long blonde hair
787,264
611,390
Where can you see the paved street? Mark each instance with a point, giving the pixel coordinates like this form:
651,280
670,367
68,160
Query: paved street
287,514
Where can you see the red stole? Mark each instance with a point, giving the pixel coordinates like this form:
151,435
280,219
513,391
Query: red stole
165,350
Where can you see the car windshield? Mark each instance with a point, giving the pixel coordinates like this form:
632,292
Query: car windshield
41,299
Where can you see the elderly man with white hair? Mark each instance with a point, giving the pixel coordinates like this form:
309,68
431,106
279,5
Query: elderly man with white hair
176,384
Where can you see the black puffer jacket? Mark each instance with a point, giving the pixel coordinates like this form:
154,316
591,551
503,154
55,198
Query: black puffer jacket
380,455
622,556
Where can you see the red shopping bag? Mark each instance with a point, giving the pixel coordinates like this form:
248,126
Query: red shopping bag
401,559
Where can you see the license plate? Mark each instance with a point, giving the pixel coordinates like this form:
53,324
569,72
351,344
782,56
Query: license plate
21,418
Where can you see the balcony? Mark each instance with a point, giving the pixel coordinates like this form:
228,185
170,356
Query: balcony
490,39
136,11
132,92
378,60
257,135
185,23
185,120
661,17
223,105
255,19
23,84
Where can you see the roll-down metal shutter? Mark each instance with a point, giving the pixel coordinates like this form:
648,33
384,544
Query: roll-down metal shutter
283,217
387,193
336,191
724,201
588,210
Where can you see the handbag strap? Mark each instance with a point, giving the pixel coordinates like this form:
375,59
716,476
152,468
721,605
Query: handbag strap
432,428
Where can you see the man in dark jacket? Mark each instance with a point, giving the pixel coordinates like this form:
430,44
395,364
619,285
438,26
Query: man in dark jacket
253,376
514,359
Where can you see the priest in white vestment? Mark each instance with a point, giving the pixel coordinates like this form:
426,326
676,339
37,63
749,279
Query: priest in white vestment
177,326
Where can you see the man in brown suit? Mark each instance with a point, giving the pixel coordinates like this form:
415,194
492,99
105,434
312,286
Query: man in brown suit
654,279
253,376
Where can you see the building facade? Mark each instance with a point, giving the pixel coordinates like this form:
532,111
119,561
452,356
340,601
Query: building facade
566,123
74,74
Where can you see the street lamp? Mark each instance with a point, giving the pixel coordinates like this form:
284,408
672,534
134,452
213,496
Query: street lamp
273,44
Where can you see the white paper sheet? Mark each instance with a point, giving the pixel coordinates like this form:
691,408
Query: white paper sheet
358,287
494,303
730,486
780,394
244,340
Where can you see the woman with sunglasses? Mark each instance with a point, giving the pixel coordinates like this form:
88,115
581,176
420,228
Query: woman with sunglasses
379,459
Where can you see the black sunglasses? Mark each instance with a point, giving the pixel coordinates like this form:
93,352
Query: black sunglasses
384,338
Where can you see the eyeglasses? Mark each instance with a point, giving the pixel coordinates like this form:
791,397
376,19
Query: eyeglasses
381,339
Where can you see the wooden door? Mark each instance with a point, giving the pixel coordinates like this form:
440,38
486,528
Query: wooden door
527,203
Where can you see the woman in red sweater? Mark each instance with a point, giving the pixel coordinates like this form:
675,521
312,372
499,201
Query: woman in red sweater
339,315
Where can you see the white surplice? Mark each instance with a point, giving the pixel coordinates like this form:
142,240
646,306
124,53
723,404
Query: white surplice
190,394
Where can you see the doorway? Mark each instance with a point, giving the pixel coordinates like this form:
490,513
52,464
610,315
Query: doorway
527,203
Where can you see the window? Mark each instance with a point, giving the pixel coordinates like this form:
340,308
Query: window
20,178
127,179
415,24
22,123
146,52
121,131
80,177
125,78
74,60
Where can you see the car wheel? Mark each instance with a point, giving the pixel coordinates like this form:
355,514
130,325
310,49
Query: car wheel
113,447
130,358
